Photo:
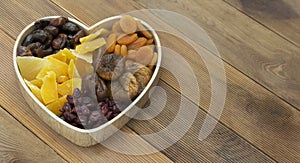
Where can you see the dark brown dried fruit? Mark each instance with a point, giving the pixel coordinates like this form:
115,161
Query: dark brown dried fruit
58,21
52,30
70,27
60,41
110,66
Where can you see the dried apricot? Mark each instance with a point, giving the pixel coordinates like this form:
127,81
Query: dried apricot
117,49
123,50
153,61
127,39
131,54
144,55
141,41
150,41
116,28
111,42
128,24
144,31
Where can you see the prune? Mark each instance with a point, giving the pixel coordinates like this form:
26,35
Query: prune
53,35
70,27
58,21
52,30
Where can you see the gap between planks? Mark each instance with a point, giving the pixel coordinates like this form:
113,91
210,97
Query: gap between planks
230,66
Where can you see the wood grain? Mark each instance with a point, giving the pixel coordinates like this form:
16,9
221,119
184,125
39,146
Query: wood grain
24,148
250,110
222,145
236,114
12,101
15,15
281,16
245,44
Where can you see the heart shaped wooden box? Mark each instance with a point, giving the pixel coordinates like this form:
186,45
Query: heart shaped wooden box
86,137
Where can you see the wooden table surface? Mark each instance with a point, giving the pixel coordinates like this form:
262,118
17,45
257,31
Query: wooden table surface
259,41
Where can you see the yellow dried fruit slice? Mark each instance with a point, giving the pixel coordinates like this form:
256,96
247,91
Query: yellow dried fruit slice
49,88
35,90
61,79
67,87
94,35
58,67
59,55
69,55
56,105
30,66
90,46
86,56
37,82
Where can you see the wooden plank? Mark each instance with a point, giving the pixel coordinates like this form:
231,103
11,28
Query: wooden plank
15,15
283,17
27,148
13,102
200,73
245,44
95,11
250,110
222,145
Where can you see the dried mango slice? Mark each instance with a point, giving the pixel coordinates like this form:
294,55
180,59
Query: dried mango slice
86,56
93,35
34,89
56,105
58,67
59,55
67,87
30,66
69,55
90,46
37,82
49,88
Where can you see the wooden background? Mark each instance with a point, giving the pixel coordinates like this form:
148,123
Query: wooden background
259,41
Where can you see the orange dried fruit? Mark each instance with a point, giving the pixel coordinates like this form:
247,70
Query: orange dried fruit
56,105
127,39
116,28
153,61
141,41
131,54
111,42
49,88
144,55
117,49
123,51
144,31
128,24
